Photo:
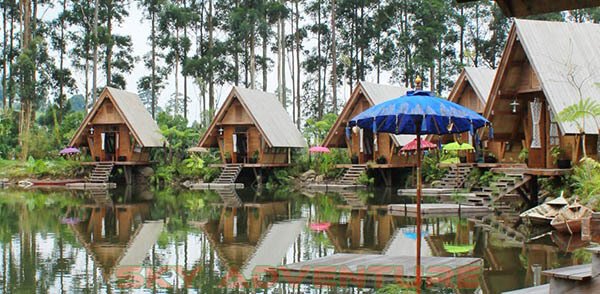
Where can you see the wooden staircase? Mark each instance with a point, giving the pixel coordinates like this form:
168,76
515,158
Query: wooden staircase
351,175
101,172
456,177
229,174
507,232
501,193
352,199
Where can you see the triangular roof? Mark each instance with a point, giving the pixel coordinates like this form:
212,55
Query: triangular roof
375,94
268,115
520,8
480,79
554,49
132,110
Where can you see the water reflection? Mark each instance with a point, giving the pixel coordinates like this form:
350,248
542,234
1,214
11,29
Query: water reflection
96,241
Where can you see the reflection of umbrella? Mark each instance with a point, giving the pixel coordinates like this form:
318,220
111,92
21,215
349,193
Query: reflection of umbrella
69,150
419,113
455,146
413,235
318,149
412,145
320,227
458,249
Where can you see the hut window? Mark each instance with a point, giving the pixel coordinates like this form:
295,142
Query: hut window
554,137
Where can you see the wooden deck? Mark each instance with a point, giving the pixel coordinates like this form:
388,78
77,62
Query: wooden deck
216,186
437,209
334,187
541,289
124,163
574,273
429,192
252,165
90,186
544,172
378,166
367,270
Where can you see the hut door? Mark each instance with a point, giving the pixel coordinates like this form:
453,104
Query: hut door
109,146
537,146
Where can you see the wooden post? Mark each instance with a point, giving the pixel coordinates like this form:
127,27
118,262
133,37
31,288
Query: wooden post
534,190
128,175
418,264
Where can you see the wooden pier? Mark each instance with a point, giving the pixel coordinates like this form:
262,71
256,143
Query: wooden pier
430,192
437,209
216,186
90,186
334,187
367,270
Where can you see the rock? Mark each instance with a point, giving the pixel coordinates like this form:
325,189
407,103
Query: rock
320,178
309,174
146,171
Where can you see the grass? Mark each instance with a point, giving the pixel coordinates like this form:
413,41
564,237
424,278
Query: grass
32,168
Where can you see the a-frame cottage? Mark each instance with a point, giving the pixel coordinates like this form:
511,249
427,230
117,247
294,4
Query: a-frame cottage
381,152
118,131
546,67
251,129
471,90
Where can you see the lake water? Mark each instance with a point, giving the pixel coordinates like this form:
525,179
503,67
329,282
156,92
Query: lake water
207,242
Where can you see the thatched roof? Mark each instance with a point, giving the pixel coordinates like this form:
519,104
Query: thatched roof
132,110
559,54
268,115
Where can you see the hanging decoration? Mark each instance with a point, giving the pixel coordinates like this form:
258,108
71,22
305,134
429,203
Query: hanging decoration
536,112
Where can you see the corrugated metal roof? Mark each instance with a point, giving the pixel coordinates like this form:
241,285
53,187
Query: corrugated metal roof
481,79
557,50
139,119
271,118
379,93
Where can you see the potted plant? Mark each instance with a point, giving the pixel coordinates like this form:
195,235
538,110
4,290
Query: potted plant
354,159
524,155
462,158
490,158
254,158
560,158
227,157
381,160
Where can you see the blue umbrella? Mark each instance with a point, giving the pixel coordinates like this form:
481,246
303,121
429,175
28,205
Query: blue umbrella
419,113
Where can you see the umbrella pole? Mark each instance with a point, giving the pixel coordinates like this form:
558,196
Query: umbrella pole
419,184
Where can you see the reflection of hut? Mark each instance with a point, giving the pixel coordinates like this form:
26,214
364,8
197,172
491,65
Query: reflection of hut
520,8
252,235
362,143
541,70
118,129
249,123
117,236
366,231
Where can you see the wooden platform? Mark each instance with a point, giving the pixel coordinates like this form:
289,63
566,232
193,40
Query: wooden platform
334,187
574,273
541,289
544,172
427,191
91,186
216,186
365,270
127,163
252,165
437,209
378,166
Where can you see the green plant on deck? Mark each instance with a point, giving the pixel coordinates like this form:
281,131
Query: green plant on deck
523,155
431,170
325,163
488,177
365,179
585,181
578,112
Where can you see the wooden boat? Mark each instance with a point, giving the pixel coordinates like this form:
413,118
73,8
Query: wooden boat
544,213
569,218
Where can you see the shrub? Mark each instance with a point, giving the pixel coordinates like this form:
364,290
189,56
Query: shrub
585,181
364,179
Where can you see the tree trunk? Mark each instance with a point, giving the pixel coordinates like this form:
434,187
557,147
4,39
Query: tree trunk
61,86
185,92
265,70
283,52
319,67
298,83
109,45
176,107
462,36
95,54
153,62
211,79
333,59
4,56
27,82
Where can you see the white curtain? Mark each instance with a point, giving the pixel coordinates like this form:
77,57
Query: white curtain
536,111
234,143
375,147
102,137
360,139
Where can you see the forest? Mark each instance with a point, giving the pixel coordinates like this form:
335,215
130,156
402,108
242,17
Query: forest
57,56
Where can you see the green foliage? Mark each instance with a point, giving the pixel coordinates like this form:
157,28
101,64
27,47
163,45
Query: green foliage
523,155
8,134
316,130
585,181
325,163
431,171
39,168
364,179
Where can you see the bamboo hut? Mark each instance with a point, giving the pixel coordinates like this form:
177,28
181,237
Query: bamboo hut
253,129
362,144
546,67
118,129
